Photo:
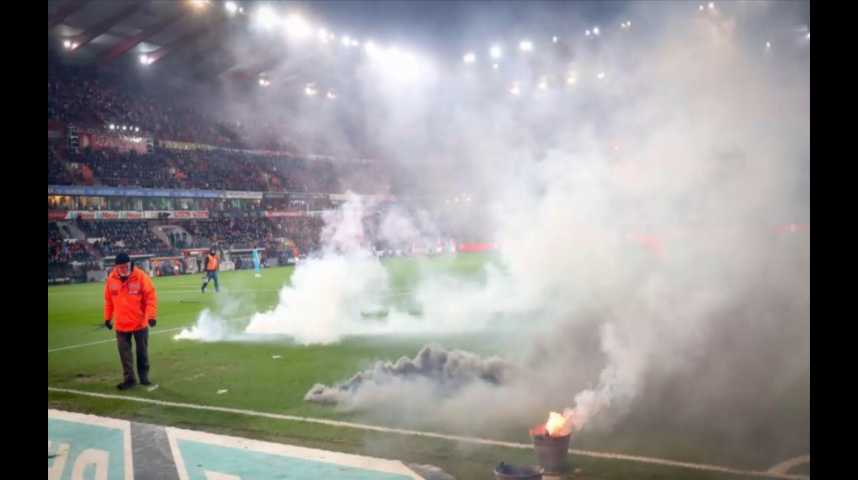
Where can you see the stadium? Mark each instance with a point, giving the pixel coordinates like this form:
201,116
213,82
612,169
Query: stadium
431,240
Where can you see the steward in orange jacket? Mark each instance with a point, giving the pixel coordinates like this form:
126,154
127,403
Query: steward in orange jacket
131,302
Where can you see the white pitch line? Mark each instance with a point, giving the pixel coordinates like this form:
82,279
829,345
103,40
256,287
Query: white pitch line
788,465
458,438
69,347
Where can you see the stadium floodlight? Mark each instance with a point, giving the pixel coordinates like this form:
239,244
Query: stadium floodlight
266,18
571,79
543,84
297,27
711,5
469,57
136,129
525,46
346,41
496,52
310,90
601,75
331,95
124,128
596,31
495,66
355,43
515,90
768,45
554,39
586,33
231,7
112,126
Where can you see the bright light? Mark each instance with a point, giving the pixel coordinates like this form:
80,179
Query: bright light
526,46
625,25
554,39
571,79
323,35
355,43
310,90
496,52
596,31
807,36
124,128
700,8
586,33
768,45
515,90
711,5
297,26
331,95
266,17
67,44
469,57
74,45
346,41
112,126
495,66
601,75
231,7
199,3
264,82
543,84
145,59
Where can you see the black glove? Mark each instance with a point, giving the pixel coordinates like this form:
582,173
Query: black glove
152,322
108,324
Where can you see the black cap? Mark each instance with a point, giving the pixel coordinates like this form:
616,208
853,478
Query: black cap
122,258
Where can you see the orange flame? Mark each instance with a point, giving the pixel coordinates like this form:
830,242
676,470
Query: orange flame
558,425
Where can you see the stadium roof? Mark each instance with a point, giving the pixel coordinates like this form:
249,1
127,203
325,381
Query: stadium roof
187,37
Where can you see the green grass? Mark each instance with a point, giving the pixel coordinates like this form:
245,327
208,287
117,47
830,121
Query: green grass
193,372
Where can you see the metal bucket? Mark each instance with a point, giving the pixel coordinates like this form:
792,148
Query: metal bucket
553,453
514,472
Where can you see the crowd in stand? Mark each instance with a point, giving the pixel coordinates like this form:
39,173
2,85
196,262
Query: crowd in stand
89,98
200,169
62,254
133,237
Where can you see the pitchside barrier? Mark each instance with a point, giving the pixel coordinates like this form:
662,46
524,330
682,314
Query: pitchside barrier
86,446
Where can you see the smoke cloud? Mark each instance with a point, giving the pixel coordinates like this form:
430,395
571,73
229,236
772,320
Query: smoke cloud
635,201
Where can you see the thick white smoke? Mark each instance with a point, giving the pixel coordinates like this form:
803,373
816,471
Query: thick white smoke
637,203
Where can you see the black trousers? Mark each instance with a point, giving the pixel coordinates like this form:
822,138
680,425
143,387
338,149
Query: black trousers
123,341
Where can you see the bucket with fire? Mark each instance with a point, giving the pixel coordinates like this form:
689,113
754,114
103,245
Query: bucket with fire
551,442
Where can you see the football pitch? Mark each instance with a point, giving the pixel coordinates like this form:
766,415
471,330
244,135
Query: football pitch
256,389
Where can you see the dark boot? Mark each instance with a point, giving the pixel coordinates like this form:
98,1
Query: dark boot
126,384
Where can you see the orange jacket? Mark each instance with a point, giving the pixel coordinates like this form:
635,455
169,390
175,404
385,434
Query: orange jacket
211,263
132,303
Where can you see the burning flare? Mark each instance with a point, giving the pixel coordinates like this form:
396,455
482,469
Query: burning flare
558,425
